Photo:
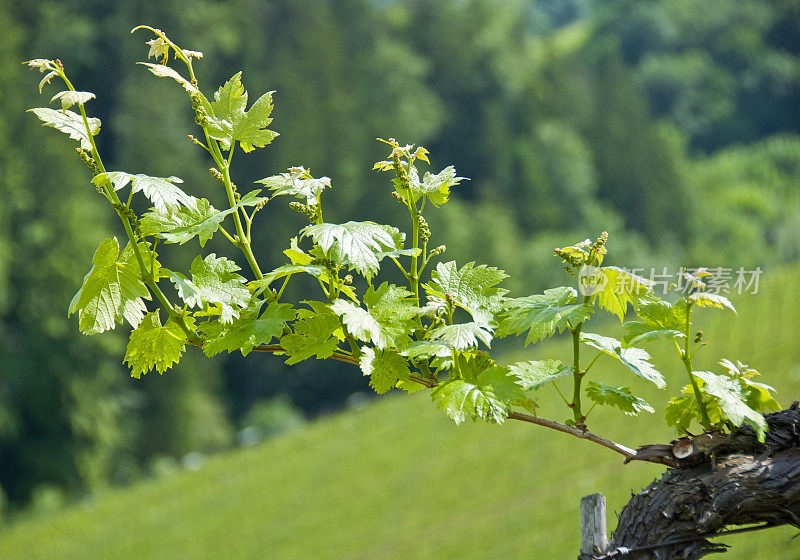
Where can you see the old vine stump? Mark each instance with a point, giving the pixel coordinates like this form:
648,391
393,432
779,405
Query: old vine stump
722,481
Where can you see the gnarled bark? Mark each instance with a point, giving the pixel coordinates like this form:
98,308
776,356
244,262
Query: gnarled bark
724,481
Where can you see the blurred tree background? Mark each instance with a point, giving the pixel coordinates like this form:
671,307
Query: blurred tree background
673,124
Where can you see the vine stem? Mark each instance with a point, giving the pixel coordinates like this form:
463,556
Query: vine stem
623,450
577,374
686,357
148,275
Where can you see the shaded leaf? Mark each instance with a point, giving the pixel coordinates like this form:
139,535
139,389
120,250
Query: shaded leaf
535,374
248,330
314,333
620,397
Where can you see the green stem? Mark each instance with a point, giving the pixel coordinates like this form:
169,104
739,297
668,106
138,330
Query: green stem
242,239
414,274
148,276
577,374
585,371
687,362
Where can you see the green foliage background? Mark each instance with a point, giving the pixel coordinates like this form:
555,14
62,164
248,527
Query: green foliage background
671,124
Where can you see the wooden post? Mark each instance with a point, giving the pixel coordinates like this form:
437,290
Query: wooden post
594,539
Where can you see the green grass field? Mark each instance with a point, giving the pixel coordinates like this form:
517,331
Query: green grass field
398,480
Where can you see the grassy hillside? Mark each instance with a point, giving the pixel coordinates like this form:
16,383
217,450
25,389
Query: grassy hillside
397,480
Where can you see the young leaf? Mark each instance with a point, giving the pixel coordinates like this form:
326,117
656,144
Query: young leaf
197,218
111,292
231,123
297,182
543,314
181,224
161,191
152,345
69,123
485,390
473,288
620,397
682,410
757,395
635,359
69,98
248,330
717,301
728,394
435,187
425,349
357,245
384,367
621,289
214,282
461,336
535,374
163,71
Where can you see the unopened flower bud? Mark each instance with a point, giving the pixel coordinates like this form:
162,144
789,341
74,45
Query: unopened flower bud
216,174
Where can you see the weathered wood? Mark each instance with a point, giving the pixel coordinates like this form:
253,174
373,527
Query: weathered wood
594,533
729,481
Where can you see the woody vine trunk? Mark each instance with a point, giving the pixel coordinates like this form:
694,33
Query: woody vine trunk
727,481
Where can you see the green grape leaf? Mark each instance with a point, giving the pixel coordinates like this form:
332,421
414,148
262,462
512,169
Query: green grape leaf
248,330
214,282
389,316
435,187
542,314
385,368
288,270
731,400
657,319
717,301
152,345
196,218
161,191
409,386
163,71
423,349
635,359
298,183
231,121
462,335
484,390
357,245
183,223
620,397
757,395
535,374
681,411
69,98
112,290
69,123
317,333
473,288
621,289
